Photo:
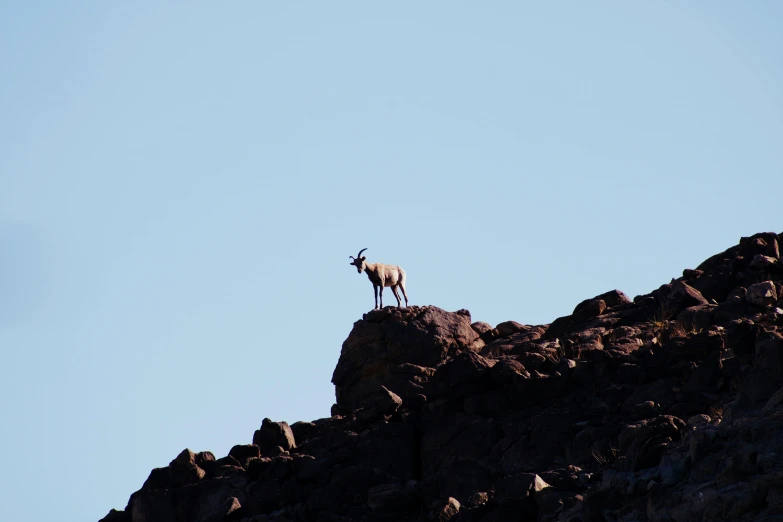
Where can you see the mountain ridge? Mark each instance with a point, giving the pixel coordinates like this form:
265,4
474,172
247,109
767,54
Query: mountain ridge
661,407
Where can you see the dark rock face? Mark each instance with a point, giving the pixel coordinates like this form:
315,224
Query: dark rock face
683,296
273,435
664,408
587,314
385,340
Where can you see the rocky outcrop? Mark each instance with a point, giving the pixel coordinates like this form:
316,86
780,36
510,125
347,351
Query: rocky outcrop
666,407
398,348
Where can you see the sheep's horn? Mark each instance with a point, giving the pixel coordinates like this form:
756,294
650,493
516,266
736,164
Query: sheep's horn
360,252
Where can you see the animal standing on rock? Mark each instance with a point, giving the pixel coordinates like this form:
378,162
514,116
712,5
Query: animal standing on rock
381,276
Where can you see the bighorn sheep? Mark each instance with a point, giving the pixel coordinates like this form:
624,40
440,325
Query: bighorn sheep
380,276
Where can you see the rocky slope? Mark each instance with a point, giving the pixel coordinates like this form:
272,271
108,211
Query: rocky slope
665,407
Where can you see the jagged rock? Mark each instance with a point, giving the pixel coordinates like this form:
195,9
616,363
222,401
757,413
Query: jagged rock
256,467
383,340
695,347
227,510
762,262
699,317
569,323
302,430
762,294
612,299
533,361
518,497
465,369
682,296
569,478
586,314
459,437
205,460
180,472
765,243
441,418
737,295
274,434
158,478
152,505
228,460
116,516
244,452
381,402
643,443
719,275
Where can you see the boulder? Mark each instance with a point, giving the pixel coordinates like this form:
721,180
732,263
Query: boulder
226,510
764,243
507,371
699,317
762,262
204,458
612,298
181,471
381,402
682,296
481,327
690,273
762,294
244,452
507,328
272,434
302,430
384,339
585,311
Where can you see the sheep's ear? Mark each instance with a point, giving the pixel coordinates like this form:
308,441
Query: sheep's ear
362,258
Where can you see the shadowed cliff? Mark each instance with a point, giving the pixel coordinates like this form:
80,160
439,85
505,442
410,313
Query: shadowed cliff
664,407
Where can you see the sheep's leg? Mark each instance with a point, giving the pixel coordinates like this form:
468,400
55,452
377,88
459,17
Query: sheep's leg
402,287
376,297
397,296
381,294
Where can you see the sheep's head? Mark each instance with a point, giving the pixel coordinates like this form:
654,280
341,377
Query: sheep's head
359,261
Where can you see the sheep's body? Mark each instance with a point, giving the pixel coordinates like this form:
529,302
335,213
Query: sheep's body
385,275
381,276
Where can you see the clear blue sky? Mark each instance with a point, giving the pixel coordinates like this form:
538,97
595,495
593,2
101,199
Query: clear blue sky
181,184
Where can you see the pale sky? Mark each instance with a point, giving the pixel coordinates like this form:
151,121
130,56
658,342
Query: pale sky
181,184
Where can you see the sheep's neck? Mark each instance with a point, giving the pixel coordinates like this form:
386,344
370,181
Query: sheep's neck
372,273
